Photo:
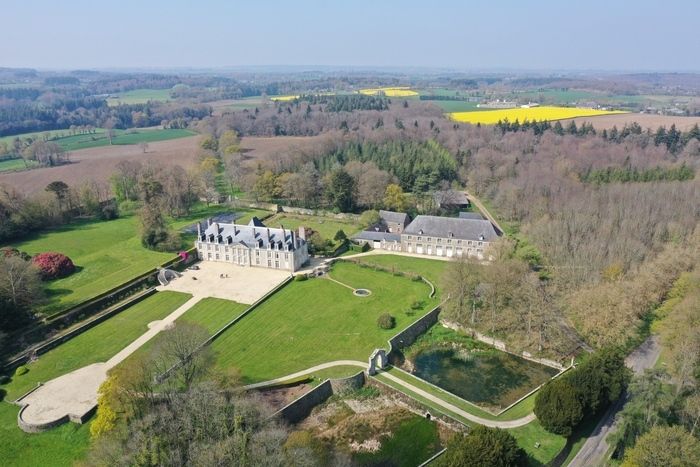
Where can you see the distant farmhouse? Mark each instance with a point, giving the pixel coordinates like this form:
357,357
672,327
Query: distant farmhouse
468,235
252,244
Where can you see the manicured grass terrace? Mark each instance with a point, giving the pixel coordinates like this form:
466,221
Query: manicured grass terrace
98,344
316,321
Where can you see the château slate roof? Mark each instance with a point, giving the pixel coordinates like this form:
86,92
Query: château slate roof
394,217
253,235
452,227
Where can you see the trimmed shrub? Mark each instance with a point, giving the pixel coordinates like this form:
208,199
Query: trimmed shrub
4,379
300,278
386,321
558,407
21,370
53,265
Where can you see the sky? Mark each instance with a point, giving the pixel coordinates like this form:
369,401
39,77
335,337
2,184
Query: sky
612,35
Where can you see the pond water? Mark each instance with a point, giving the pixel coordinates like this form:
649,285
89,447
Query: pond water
490,378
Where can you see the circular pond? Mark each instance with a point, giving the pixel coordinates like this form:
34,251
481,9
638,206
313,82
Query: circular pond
362,292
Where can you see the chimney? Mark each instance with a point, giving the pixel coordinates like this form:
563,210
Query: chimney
302,233
268,238
199,230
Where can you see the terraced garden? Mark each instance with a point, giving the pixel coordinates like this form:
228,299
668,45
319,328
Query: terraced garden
317,321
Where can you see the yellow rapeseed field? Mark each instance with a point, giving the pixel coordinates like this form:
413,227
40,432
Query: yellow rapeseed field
401,91
283,98
490,117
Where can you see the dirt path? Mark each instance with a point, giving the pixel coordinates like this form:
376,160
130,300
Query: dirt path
480,206
595,448
75,394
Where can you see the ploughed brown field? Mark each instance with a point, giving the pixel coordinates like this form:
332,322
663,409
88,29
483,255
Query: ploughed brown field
645,121
98,164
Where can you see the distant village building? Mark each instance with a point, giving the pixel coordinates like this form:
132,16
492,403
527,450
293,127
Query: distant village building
467,235
252,244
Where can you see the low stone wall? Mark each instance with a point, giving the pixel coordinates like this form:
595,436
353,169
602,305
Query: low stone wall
300,408
409,335
39,427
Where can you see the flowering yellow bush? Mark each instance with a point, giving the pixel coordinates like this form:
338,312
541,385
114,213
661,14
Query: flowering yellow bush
401,91
551,113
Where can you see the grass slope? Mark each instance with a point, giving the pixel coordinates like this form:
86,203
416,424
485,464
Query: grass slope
325,226
107,253
59,447
97,344
431,269
316,321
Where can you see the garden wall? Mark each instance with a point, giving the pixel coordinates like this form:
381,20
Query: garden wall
409,335
300,408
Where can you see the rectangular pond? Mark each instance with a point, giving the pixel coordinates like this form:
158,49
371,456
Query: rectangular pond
487,377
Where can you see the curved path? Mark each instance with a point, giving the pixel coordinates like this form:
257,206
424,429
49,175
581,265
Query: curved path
452,408
322,366
74,395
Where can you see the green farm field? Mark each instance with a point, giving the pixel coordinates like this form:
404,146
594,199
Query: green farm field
456,106
99,137
107,253
139,96
13,165
316,321
98,344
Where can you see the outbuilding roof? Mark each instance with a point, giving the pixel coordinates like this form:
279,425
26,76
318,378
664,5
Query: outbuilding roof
452,227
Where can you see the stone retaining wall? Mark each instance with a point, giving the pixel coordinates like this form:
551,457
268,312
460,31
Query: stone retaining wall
300,408
409,335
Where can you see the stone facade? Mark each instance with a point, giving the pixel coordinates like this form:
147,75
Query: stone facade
252,245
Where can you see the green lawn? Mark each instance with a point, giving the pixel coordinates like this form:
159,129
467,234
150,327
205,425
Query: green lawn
527,436
139,96
210,313
61,446
98,344
325,226
431,269
107,253
316,321
412,440
13,165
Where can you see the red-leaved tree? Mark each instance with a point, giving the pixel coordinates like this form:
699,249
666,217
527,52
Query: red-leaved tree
53,265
